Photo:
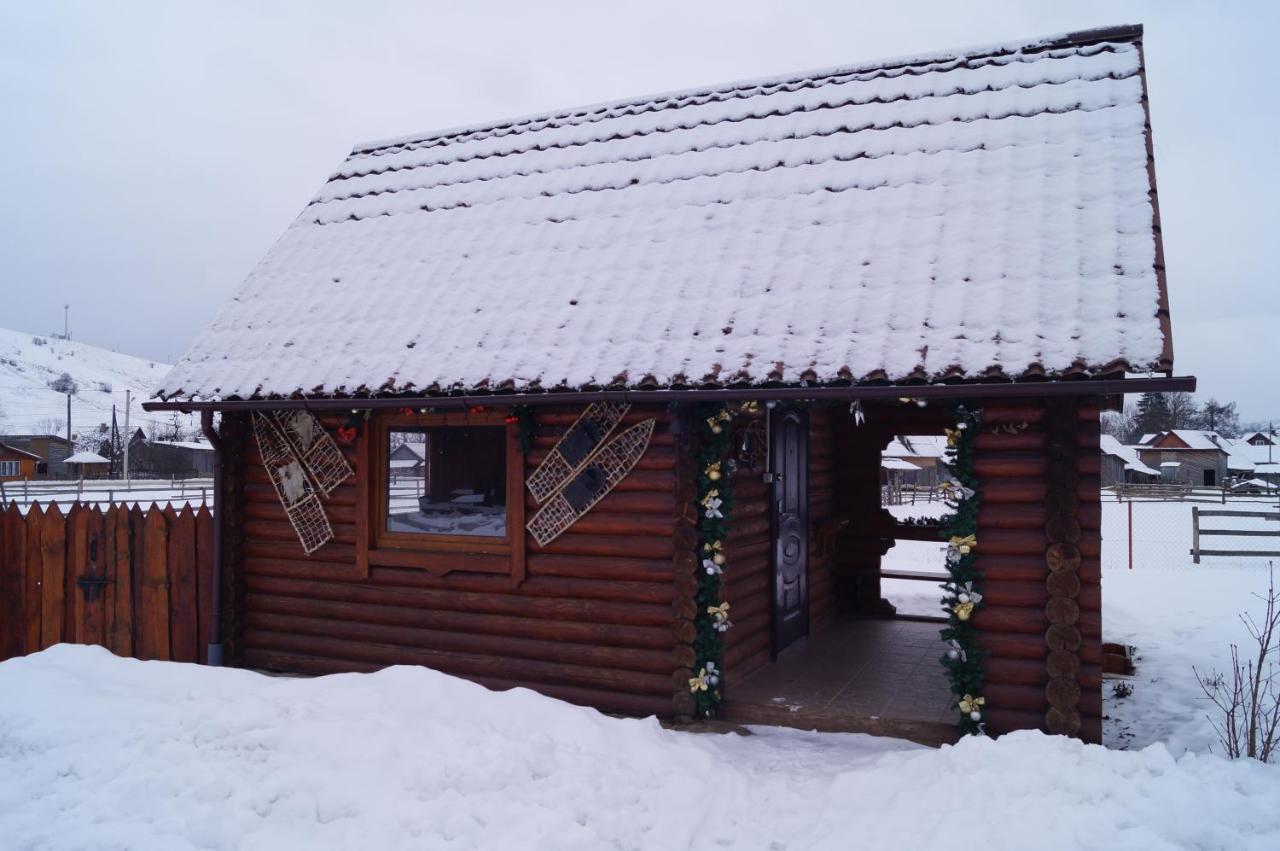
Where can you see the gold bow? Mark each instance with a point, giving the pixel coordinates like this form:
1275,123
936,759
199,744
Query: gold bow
953,436
969,703
965,544
963,610
720,612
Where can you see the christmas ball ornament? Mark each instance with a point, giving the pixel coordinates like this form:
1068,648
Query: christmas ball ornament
718,558
953,654
963,598
714,475
975,716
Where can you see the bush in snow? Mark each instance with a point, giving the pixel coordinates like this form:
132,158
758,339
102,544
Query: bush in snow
1249,702
64,384
104,386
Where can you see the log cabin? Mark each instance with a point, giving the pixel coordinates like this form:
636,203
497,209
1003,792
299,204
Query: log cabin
651,352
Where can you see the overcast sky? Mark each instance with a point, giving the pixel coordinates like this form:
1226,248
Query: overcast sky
152,152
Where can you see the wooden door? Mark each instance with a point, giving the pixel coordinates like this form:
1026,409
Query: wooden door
789,466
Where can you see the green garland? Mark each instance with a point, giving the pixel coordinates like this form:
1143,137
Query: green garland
715,507
963,597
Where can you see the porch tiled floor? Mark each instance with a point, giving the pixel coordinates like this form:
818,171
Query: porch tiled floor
872,675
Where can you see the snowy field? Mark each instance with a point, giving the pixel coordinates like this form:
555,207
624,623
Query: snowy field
101,752
102,493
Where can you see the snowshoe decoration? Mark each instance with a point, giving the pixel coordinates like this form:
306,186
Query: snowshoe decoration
595,477
303,463
575,448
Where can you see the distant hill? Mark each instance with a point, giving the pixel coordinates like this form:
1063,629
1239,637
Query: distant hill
32,365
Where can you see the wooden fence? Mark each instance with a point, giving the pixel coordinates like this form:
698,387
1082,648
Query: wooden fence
138,583
1197,530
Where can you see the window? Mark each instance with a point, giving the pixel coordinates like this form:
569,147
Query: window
9,468
442,493
447,480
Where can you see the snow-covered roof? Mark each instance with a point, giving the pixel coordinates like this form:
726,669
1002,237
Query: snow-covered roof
897,464
184,444
1193,438
917,446
85,458
986,212
1128,454
4,447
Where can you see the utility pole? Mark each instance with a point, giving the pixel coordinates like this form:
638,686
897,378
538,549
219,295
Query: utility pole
70,448
115,442
66,322
128,435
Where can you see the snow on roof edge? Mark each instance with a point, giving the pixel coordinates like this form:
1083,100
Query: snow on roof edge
1118,32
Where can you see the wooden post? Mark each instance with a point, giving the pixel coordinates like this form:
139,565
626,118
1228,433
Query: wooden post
1195,534
1131,534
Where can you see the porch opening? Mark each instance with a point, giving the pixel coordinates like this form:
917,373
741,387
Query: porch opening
868,659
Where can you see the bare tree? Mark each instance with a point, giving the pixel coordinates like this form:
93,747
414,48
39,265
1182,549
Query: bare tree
1122,425
1183,411
1249,704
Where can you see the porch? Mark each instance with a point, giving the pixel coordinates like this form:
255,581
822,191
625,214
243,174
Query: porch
859,676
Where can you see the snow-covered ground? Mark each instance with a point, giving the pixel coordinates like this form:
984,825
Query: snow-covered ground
1176,613
101,752
104,492
29,363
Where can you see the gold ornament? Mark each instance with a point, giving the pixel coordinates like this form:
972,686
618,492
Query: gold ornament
963,610
964,545
970,704
718,558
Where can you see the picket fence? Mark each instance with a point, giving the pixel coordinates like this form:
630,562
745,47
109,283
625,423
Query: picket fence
138,582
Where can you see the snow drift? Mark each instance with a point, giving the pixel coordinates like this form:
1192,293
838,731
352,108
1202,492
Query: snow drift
102,752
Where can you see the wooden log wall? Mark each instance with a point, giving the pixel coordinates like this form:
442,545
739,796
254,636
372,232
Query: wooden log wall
748,578
592,623
136,582
1039,549
822,515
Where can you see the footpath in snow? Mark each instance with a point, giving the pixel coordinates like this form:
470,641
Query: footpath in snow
102,752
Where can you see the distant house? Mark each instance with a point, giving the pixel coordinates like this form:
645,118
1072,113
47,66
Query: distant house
1122,465
1190,456
88,465
1260,438
407,459
182,459
17,464
921,455
50,450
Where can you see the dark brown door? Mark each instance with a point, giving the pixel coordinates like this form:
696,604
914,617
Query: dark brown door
789,465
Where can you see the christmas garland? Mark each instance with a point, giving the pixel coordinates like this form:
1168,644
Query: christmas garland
714,507
963,659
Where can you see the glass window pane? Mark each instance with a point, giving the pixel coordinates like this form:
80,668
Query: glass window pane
447,480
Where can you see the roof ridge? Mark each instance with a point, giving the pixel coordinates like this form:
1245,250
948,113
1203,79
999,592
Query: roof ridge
1079,38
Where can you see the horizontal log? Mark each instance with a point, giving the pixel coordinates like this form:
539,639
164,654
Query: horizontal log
998,593
626,524
613,568
1011,619
637,546
636,502
1011,568
462,664
1089,464
1028,440
1024,697
1000,720
652,660
607,700
259,491
510,627
1021,491
1008,464
1027,672
1015,542
1011,516
282,531
525,605
1012,413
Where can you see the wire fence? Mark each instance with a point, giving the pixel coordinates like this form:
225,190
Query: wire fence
1160,534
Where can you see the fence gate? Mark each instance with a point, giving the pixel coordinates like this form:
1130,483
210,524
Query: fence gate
136,582
1197,531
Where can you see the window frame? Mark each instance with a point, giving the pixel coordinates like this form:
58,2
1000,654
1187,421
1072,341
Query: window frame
437,555
10,464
